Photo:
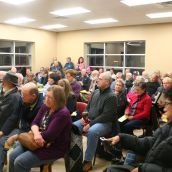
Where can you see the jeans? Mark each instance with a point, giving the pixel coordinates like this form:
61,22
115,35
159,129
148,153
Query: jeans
3,151
22,160
93,134
133,124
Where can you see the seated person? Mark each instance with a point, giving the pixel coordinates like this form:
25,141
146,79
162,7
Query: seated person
81,64
157,98
75,85
10,102
121,97
138,110
128,81
101,115
50,127
52,80
153,84
70,97
84,80
32,100
69,64
157,149
94,81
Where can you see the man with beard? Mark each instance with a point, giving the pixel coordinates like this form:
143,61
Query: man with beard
31,104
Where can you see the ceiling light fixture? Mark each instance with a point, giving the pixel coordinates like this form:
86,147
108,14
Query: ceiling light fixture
70,11
16,2
55,26
159,15
142,2
101,21
20,20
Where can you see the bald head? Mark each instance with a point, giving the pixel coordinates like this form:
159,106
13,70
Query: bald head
29,93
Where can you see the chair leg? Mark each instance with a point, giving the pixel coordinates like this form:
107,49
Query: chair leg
50,168
94,159
41,168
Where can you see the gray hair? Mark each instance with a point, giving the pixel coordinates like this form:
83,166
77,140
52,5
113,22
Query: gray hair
121,81
107,76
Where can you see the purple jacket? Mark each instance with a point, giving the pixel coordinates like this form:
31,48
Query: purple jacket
58,132
76,88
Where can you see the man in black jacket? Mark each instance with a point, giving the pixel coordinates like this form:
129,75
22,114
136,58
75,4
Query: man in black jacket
10,101
101,114
31,103
157,149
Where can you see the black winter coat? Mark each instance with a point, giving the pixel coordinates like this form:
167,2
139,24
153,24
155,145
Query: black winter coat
157,149
9,111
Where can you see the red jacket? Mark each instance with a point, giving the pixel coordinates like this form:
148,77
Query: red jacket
143,106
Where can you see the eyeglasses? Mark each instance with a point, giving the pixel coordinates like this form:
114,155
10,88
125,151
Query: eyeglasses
168,103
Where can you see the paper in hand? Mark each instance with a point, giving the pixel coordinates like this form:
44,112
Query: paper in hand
122,118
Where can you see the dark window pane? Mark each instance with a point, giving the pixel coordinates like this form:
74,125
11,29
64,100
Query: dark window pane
6,46
95,60
114,48
116,61
22,47
135,47
5,60
5,68
95,48
22,60
135,61
139,70
115,70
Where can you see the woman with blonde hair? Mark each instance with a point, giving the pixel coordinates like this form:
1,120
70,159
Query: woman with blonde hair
70,96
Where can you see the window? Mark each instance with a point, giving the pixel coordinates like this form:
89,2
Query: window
15,53
117,55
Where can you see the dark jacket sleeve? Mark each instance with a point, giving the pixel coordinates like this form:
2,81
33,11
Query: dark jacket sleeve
13,108
109,111
71,104
148,167
140,146
162,153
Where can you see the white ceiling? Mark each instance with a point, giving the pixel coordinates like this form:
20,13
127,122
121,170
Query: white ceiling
39,10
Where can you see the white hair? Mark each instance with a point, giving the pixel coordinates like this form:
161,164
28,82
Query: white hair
107,76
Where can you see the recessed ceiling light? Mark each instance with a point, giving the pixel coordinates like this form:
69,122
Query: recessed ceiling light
159,15
101,21
70,11
16,2
20,20
55,26
142,2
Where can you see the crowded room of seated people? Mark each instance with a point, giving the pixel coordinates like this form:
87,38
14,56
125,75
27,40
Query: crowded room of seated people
85,86
122,117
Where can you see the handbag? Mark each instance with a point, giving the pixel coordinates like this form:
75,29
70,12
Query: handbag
27,140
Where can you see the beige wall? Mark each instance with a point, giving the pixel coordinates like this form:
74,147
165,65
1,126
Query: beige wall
158,39
44,47
50,44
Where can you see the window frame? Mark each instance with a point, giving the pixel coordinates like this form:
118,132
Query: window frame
124,55
13,53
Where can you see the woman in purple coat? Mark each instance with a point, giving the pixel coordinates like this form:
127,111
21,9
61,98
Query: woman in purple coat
51,128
